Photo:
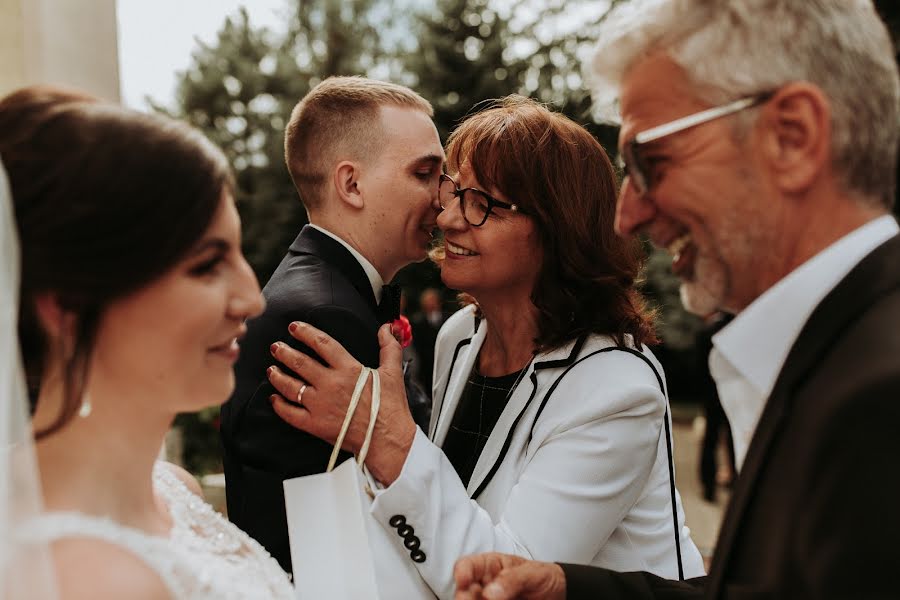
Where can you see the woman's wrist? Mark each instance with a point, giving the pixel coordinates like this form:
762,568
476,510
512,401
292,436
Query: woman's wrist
390,447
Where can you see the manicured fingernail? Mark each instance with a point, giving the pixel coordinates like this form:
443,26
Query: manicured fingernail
293,327
273,348
272,399
493,590
270,370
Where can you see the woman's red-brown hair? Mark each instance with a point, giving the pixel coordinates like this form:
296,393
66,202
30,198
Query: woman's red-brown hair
561,177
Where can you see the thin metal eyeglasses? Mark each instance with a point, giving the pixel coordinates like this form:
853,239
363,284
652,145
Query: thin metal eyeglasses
636,167
476,205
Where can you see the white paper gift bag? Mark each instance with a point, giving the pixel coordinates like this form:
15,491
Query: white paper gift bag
339,551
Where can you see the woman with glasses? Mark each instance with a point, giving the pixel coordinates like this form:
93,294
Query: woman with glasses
550,434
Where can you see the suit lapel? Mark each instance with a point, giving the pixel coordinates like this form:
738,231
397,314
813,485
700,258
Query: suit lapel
874,276
312,241
461,366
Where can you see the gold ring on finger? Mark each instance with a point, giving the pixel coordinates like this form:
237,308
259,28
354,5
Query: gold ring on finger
300,395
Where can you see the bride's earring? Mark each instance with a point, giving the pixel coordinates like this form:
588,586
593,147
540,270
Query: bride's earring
86,407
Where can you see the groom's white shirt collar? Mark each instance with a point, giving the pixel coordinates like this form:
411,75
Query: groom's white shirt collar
375,279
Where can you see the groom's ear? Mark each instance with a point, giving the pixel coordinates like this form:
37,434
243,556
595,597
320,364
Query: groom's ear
346,182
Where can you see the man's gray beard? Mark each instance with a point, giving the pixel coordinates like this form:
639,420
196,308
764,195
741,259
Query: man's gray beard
705,294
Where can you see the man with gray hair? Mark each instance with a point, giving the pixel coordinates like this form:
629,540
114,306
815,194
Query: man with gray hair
760,144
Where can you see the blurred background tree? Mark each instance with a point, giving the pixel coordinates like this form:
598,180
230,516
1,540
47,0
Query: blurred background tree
457,53
240,91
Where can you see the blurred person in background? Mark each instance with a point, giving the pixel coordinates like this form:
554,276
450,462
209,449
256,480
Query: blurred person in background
425,326
716,432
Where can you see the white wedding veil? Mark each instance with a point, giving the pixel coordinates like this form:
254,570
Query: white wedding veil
25,569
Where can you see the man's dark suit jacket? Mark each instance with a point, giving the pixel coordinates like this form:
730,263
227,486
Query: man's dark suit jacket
815,512
321,283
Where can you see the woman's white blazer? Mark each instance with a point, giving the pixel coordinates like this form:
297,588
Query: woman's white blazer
576,469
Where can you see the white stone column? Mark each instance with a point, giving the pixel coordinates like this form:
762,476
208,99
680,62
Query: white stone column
72,43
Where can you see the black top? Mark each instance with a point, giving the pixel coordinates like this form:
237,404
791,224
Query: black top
480,406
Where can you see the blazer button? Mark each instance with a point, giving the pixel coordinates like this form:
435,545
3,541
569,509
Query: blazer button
417,556
405,531
412,543
397,521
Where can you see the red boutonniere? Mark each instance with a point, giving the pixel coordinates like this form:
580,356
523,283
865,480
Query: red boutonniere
402,330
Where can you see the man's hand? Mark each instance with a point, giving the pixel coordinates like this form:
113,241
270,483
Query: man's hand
495,576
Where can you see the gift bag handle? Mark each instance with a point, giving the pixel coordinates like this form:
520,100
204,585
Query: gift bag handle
351,409
373,413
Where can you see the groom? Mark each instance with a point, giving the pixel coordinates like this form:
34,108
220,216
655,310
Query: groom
365,158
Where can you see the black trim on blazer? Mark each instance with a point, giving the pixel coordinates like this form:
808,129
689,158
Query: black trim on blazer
547,364
508,442
671,464
459,347
562,362
440,407
556,383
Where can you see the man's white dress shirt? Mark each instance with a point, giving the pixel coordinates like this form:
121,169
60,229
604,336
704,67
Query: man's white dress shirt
748,354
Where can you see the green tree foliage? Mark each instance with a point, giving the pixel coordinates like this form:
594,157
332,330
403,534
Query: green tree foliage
460,59
240,91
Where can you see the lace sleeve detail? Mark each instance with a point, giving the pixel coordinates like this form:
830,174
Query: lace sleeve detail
200,529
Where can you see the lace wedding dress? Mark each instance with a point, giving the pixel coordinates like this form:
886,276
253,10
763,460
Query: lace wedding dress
204,557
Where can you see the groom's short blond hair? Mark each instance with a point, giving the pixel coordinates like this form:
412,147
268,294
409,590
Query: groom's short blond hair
338,120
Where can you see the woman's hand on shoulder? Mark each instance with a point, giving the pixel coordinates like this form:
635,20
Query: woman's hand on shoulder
90,569
319,399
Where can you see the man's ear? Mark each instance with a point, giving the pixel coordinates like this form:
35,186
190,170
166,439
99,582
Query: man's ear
797,136
346,182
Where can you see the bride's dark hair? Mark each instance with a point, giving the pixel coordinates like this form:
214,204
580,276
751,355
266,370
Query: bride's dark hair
106,201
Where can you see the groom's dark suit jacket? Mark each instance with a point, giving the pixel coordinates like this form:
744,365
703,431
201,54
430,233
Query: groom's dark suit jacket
815,512
321,283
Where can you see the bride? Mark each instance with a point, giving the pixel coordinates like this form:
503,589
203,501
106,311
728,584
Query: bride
132,300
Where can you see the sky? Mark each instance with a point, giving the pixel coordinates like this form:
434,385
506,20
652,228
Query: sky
156,38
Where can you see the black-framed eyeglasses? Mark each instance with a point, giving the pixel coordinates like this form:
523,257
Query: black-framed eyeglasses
476,205
636,167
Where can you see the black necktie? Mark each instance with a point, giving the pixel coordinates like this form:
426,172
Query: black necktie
389,307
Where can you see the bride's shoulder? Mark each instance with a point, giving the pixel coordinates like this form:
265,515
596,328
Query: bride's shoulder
96,569
189,481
